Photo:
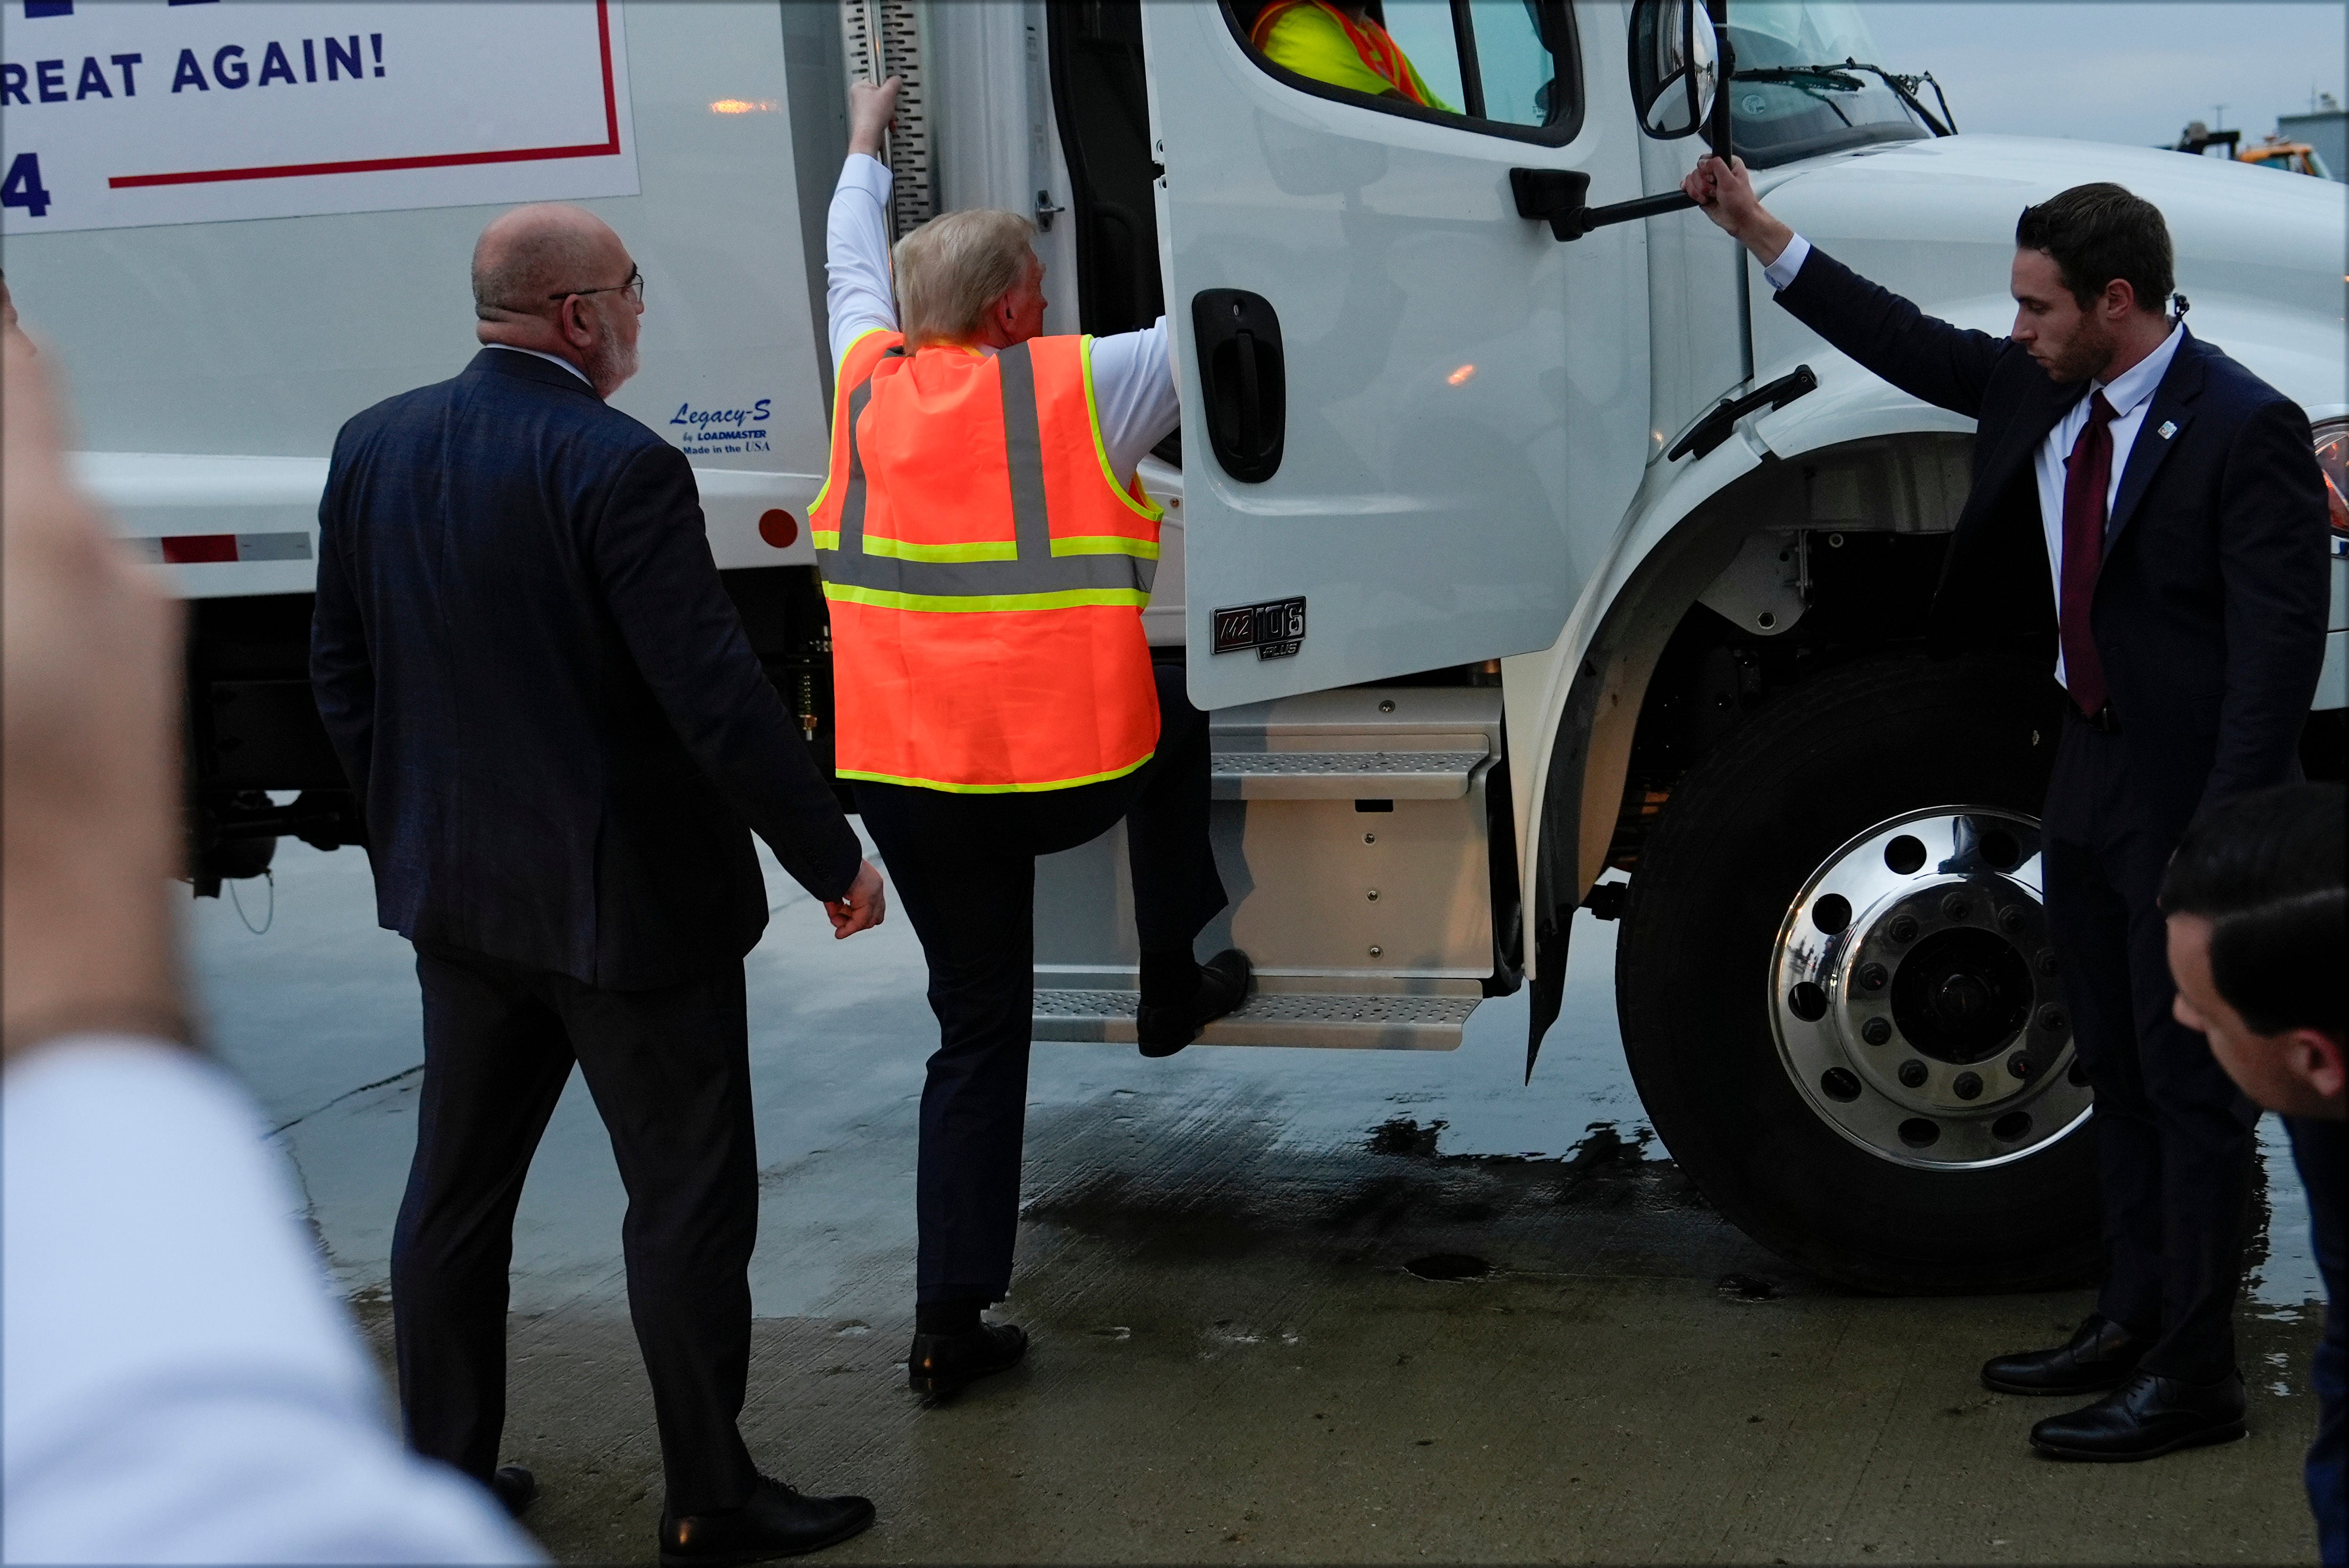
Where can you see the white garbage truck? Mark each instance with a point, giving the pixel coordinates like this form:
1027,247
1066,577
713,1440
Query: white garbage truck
1513,536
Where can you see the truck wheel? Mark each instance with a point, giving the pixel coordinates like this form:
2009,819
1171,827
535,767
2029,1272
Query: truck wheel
1836,990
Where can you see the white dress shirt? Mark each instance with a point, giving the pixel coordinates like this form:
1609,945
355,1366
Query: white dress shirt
2130,393
550,358
181,1384
1134,375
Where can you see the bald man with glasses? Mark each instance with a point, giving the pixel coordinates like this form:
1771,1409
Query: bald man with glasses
562,742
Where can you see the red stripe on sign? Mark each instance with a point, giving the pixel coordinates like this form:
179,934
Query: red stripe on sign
609,146
190,549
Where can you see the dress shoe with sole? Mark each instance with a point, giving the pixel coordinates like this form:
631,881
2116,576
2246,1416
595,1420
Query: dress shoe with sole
2145,1418
943,1363
1223,985
2099,1355
514,1488
776,1522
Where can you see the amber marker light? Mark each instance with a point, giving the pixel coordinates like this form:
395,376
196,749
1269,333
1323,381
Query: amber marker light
1461,377
743,106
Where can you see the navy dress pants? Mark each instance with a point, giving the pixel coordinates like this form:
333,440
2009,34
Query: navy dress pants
964,868
670,1072
2321,1150
2174,1140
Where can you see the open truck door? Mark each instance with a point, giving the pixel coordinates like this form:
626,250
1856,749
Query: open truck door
1410,415
1411,421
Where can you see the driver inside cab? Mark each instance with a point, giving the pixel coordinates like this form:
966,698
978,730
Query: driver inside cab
1338,43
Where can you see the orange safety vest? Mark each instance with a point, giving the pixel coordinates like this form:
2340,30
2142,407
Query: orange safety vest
985,571
1379,52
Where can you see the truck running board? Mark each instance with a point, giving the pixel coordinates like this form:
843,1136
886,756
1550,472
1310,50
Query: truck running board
1351,831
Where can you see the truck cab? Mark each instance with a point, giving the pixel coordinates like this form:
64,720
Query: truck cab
1527,558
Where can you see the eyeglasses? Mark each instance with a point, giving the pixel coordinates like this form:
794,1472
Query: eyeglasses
634,288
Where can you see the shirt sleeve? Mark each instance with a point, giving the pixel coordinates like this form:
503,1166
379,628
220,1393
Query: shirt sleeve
1781,273
857,296
1134,395
183,1384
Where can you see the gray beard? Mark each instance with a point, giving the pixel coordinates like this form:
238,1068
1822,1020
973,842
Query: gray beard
609,364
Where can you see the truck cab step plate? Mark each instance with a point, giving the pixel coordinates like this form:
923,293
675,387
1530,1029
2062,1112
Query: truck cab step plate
1394,1023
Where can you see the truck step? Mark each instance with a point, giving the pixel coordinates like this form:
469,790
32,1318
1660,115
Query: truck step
1354,1021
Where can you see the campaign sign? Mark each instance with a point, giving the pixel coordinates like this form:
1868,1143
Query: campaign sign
117,113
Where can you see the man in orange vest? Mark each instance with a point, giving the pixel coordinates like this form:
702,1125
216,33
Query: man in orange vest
986,553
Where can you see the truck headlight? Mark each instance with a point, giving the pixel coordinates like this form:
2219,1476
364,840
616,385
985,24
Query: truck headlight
2333,457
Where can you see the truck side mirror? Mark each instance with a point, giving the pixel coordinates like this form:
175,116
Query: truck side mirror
1675,67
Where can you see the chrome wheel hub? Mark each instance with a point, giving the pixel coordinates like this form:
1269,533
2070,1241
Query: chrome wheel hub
1915,996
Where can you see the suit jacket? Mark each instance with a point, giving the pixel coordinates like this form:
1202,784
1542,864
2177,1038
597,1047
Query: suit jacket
545,700
2209,605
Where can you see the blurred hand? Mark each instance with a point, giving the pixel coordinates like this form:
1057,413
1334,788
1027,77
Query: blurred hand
871,107
1725,192
89,718
862,907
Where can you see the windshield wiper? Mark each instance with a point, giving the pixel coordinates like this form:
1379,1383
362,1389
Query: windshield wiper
1841,80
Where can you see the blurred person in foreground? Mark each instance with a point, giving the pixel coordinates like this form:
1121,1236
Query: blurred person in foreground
561,742
2259,921
178,1383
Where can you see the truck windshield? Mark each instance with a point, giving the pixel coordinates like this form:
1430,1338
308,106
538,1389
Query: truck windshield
1793,95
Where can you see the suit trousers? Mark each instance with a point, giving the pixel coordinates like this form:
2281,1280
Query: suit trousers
669,1069
963,867
2321,1150
2174,1140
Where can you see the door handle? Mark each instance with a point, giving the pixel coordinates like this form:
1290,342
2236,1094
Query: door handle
1243,380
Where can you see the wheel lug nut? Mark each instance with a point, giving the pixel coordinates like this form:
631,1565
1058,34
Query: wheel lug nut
1872,976
1875,1031
2020,1065
1955,906
1968,1086
2051,1020
1913,1073
2047,961
2010,919
1901,929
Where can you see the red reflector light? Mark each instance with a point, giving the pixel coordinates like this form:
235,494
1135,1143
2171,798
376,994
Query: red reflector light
779,528
188,548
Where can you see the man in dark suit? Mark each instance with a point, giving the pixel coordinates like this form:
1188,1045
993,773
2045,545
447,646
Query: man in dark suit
2155,511
558,731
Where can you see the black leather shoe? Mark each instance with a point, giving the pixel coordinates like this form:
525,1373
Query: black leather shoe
1223,985
514,1488
942,1363
776,1522
2146,1418
2100,1354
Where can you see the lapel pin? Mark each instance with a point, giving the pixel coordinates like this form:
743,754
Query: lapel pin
2169,429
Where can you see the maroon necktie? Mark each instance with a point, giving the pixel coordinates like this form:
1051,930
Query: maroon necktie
2087,474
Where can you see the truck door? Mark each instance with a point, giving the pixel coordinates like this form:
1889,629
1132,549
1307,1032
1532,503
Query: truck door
1411,416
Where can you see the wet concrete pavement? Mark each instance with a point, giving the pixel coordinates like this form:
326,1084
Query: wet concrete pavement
1287,1305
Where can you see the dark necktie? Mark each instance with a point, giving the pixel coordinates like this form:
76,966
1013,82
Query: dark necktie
2087,475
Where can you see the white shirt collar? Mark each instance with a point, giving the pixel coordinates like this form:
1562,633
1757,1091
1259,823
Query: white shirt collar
2135,385
550,358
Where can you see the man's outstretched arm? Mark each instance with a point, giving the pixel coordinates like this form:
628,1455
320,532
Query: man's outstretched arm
857,296
1926,357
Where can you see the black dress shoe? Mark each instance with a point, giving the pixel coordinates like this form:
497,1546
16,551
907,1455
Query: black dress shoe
514,1488
2145,1418
776,1522
942,1363
2100,1354
1223,985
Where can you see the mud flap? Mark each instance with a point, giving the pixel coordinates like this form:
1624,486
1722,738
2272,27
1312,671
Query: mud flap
1549,984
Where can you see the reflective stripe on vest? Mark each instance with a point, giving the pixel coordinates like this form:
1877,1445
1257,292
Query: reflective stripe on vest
1032,571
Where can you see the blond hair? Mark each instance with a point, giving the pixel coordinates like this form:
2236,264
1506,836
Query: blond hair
953,267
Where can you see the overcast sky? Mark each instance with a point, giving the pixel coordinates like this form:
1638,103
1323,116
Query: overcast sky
2130,71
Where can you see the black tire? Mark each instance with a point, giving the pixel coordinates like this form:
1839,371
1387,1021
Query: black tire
1736,843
